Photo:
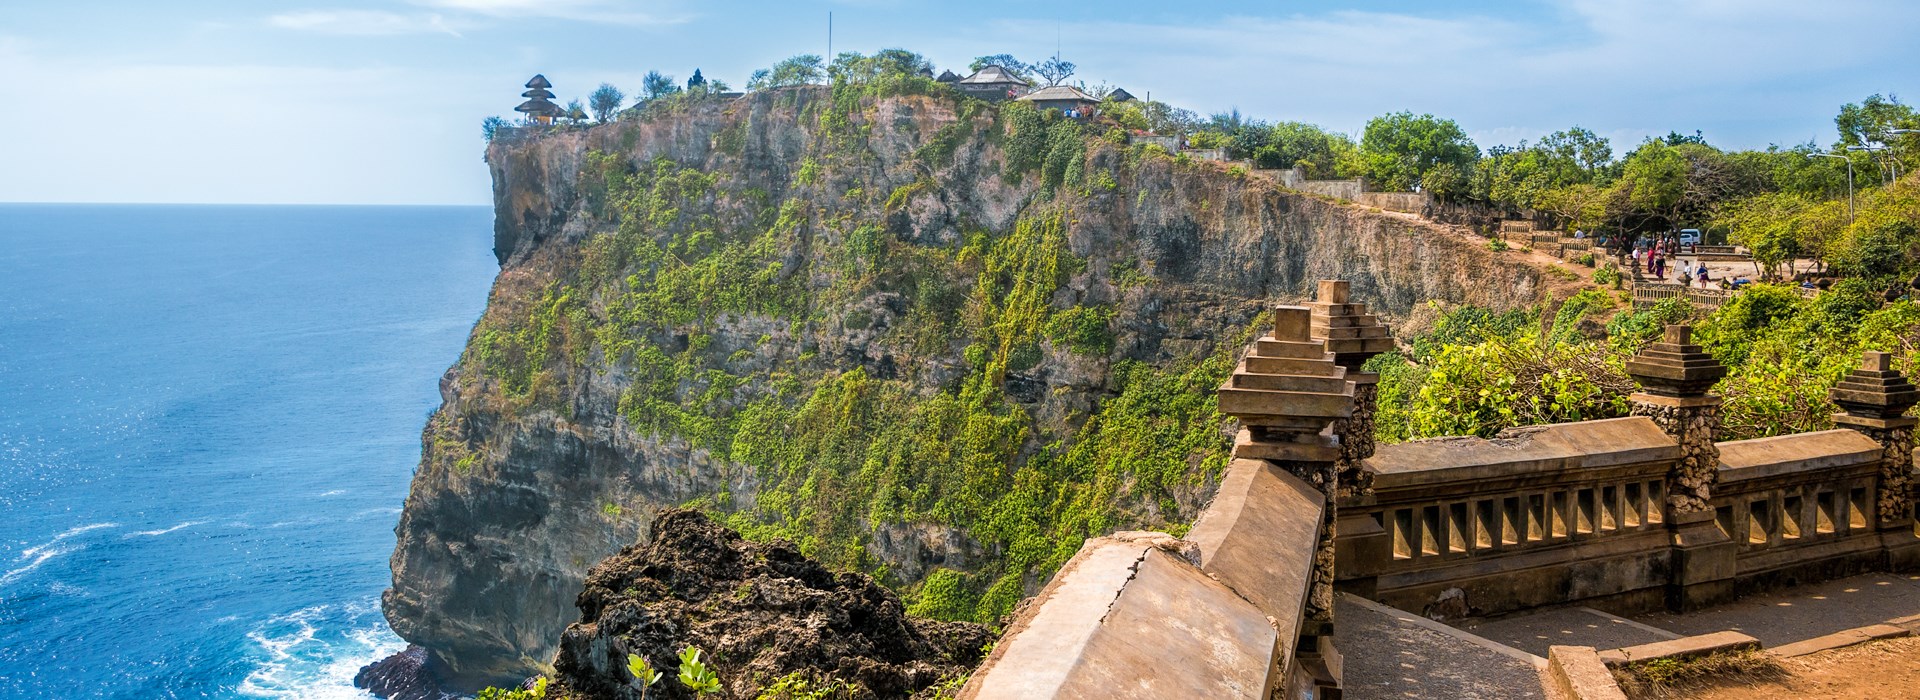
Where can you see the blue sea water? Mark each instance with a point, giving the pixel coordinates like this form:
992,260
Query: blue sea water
208,419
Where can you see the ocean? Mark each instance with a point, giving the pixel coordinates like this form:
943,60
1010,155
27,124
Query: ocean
209,416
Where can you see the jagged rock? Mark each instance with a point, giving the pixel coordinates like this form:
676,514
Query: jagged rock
403,676
759,612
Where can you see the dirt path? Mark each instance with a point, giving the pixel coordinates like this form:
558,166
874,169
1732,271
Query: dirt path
1886,669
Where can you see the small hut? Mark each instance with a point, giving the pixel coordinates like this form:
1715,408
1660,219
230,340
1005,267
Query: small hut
993,84
1121,95
539,106
1065,98
947,76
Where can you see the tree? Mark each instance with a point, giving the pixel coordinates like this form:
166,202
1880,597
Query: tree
696,80
490,127
1871,119
655,86
1400,148
1317,152
575,112
804,69
605,101
1054,70
1655,178
1019,70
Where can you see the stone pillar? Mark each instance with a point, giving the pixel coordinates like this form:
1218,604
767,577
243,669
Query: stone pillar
1353,336
1873,401
1287,394
1675,377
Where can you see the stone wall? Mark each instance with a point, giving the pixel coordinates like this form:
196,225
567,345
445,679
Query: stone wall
1145,615
1405,202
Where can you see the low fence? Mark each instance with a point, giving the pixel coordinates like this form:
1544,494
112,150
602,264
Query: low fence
1540,516
1576,513
1800,507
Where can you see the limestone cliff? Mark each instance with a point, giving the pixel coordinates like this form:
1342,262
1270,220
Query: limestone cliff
934,340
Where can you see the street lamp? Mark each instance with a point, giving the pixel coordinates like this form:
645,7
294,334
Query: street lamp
1877,150
1849,178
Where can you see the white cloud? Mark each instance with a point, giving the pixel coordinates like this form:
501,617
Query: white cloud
601,11
1760,68
363,22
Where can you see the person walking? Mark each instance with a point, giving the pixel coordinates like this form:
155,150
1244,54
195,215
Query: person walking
1700,273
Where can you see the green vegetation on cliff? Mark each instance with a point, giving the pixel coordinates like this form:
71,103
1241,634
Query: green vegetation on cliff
923,428
1479,372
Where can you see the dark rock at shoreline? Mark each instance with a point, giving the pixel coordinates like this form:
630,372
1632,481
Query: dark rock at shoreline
760,612
403,676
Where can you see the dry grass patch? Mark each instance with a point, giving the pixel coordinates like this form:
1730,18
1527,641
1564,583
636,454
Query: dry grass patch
1680,677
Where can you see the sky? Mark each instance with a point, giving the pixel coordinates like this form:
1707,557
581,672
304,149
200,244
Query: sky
380,102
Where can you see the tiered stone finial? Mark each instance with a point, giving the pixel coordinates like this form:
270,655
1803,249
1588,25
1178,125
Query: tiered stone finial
1351,334
1875,390
1675,376
1874,400
1675,366
1286,392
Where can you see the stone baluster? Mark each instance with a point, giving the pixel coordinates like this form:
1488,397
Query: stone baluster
1353,336
1675,378
1287,393
1874,401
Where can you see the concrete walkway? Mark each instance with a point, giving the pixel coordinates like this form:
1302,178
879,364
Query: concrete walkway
1805,612
1535,632
1390,653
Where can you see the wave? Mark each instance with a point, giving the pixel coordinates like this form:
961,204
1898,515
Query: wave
31,551
41,553
315,652
157,533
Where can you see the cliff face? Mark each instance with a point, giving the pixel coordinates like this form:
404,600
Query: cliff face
918,336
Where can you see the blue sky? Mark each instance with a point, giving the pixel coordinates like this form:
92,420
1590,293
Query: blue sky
379,102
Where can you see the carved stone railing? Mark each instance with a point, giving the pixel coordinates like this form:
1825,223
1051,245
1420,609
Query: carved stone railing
1539,516
1800,507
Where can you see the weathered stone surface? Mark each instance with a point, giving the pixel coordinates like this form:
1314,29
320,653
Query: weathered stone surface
1395,654
1521,451
1843,638
1684,647
1581,675
1693,427
1786,454
1257,537
1125,619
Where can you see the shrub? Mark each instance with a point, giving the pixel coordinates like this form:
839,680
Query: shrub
1496,244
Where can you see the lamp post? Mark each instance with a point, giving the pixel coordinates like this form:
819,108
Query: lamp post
1876,161
1890,153
1849,178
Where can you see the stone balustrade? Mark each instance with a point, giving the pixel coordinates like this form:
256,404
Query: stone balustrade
1529,518
1800,507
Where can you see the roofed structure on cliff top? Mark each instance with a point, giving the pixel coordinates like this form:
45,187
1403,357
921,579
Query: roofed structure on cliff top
947,76
539,105
993,83
1061,97
1121,95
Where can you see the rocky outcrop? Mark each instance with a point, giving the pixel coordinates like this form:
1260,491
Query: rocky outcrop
759,613
516,498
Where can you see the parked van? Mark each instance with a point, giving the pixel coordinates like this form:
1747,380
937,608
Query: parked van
1689,237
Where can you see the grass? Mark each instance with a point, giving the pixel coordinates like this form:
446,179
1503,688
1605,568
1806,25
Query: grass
1676,677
